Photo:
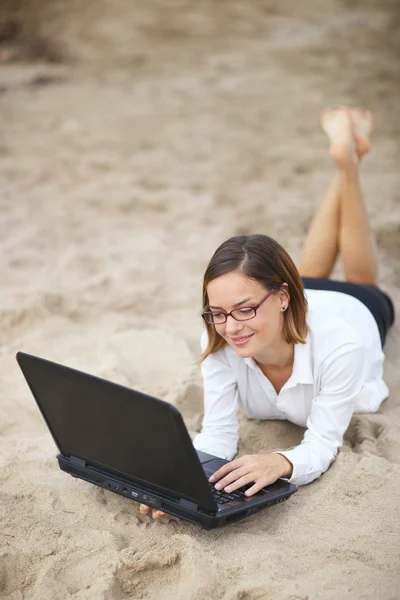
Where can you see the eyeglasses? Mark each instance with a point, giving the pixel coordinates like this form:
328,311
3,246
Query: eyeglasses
245,313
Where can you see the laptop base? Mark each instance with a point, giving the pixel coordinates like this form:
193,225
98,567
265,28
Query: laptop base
182,509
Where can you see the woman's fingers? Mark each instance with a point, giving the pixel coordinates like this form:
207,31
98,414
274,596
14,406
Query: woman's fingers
146,510
259,485
231,477
245,480
157,514
259,469
231,466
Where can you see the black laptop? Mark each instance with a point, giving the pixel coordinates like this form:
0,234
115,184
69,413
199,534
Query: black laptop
135,445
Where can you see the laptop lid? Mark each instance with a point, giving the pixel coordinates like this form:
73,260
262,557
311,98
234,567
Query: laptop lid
123,431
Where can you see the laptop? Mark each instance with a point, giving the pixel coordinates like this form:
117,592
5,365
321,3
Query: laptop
136,446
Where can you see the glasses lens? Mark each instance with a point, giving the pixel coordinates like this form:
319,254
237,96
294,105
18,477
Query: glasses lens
214,318
208,318
218,318
243,314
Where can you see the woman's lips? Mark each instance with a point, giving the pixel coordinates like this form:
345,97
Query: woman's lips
242,340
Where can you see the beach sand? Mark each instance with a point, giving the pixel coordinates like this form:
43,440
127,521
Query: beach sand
134,139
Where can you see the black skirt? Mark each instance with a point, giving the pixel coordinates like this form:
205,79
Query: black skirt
377,301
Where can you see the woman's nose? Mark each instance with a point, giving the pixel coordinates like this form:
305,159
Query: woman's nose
232,326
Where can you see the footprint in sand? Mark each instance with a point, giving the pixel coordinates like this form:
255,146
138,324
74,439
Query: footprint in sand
128,517
69,571
13,575
58,505
374,434
148,575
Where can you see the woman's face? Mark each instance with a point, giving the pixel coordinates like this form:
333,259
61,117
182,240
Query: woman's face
248,338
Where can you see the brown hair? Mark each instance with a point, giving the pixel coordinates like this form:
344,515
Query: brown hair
261,258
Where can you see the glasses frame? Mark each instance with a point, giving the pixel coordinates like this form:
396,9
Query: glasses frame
229,314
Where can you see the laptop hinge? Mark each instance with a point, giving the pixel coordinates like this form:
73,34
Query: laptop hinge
187,504
78,461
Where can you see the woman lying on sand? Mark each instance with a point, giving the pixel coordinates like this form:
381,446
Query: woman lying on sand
268,352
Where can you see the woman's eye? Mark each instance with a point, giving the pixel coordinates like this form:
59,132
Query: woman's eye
245,311
218,315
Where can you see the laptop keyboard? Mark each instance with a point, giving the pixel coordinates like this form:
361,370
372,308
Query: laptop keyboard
223,497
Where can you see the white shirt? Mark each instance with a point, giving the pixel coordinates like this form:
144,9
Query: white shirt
336,373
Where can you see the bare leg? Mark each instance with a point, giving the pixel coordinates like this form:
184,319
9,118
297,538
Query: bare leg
357,245
321,245
341,223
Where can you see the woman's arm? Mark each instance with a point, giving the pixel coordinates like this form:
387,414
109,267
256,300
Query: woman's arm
220,430
341,379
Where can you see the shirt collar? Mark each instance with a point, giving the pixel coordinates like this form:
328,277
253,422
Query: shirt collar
302,369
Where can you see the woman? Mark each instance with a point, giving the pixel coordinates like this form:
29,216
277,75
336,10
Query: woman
278,355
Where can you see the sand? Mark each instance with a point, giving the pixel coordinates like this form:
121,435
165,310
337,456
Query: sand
135,137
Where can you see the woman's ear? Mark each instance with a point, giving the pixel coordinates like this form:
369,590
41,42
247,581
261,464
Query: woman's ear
284,296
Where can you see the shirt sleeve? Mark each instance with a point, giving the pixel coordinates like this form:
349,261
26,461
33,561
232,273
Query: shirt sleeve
342,376
220,429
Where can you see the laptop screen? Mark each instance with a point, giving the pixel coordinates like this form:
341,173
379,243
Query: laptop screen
106,424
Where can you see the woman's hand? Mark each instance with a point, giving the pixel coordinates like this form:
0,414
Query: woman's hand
262,469
145,510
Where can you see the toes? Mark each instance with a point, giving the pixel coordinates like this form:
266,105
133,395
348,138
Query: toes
362,123
363,120
144,509
348,129
331,117
327,114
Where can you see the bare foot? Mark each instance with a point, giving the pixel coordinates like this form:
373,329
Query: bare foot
362,127
337,124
